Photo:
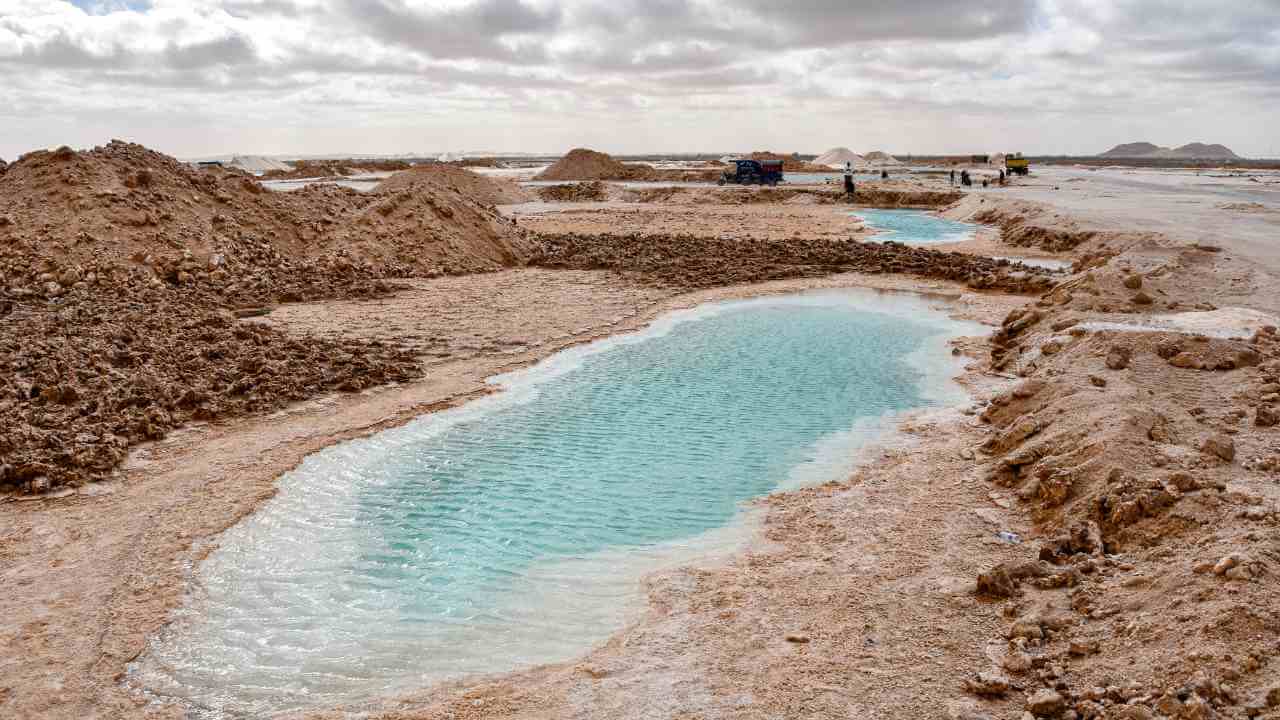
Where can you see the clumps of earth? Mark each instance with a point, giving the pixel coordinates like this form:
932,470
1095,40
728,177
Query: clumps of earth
333,168
582,164
124,274
686,261
593,191
1144,459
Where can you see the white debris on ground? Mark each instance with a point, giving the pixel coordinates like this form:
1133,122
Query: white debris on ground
1220,323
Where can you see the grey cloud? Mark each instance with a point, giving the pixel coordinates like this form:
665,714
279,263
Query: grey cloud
231,50
62,52
1131,58
472,31
834,22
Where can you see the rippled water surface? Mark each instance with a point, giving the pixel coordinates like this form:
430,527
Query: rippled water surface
516,529
914,227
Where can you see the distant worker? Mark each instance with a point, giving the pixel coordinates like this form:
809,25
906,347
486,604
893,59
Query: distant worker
1002,177
953,177
964,178
884,174
984,182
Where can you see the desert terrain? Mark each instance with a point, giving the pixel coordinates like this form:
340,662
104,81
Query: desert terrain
1094,534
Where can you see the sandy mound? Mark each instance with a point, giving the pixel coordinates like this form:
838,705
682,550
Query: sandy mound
484,190
837,157
119,268
574,192
258,165
876,157
130,208
583,164
334,168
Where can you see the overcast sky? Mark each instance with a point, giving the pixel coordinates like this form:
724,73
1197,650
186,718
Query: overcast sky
205,77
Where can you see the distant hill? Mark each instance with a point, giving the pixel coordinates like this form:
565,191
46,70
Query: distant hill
1190,151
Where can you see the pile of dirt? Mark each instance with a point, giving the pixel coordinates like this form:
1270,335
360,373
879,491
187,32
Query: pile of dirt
257,164
1022,231
119,269
334,168
584,164
574,192
486,191
838,157
879,158
687,262
122,210
1147,461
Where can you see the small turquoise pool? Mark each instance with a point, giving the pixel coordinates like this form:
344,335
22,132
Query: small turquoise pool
914,227
515,530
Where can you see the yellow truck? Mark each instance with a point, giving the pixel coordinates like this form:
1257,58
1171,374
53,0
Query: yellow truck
1015,164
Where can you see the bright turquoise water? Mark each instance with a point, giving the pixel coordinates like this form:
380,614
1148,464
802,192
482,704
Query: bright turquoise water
515,530
914,227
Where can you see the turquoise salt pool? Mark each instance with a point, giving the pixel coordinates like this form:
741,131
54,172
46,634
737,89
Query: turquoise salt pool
914,227
516,529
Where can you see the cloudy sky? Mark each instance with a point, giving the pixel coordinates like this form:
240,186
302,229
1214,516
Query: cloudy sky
205,77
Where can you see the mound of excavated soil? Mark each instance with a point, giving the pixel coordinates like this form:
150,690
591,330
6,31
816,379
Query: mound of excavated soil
574,192
124,209
487,191
1146,460
333,168
687,261
119,267
583,164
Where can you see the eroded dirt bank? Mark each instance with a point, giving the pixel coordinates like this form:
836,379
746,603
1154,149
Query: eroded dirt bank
1137,468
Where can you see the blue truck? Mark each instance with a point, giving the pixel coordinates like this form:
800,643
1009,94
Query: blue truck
752,172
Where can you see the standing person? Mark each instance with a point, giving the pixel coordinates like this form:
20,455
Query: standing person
1001,177
953,177
848,177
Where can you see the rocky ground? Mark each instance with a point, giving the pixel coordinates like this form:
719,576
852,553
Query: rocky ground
335,168
688,261
881,194
123,274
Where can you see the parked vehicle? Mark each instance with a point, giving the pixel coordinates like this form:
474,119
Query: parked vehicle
1015,164
753,172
